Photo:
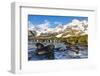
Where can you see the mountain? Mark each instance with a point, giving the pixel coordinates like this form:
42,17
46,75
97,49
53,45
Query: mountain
74,28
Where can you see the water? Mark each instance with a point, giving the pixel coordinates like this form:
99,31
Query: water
61,53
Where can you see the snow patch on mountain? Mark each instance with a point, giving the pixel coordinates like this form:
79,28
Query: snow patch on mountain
75,25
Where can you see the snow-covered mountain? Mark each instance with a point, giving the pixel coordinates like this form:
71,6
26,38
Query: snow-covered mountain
76,27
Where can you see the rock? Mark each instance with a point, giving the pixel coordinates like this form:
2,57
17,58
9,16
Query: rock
45,50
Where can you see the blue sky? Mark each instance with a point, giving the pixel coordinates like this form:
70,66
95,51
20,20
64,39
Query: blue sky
53,21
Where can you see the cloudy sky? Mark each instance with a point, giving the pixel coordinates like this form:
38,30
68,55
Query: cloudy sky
52,21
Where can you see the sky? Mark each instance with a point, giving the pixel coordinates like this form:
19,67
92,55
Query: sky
52,21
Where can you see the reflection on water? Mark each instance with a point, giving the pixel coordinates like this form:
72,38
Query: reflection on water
60,52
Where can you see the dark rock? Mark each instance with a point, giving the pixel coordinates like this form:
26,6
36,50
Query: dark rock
45,50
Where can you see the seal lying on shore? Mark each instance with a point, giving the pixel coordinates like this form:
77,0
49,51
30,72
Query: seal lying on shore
45,50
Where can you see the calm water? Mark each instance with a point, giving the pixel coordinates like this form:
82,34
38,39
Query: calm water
61,53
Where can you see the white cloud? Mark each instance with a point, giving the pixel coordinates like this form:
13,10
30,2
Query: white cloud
41,27
44,25
30,25
75,22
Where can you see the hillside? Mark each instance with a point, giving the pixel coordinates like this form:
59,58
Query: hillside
72,32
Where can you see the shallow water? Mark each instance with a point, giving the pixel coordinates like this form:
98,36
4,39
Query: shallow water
58,54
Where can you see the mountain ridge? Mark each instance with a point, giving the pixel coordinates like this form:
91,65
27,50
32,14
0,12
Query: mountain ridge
74,28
